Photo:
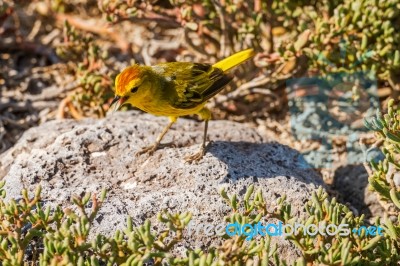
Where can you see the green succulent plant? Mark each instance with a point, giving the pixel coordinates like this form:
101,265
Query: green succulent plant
359,36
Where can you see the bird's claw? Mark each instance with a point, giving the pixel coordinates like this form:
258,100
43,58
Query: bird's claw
149,150
197,156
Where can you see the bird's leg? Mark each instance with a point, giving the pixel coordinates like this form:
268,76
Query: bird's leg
206,115
154,147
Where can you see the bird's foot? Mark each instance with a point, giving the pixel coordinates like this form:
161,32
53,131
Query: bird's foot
197,156
151,149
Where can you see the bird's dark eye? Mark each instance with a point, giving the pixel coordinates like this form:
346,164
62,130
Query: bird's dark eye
134,89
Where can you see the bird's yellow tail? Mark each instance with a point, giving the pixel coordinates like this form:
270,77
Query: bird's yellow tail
234,60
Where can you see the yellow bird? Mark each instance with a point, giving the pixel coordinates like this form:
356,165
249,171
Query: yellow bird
175,89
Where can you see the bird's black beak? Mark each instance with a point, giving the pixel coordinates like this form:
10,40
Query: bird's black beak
118,102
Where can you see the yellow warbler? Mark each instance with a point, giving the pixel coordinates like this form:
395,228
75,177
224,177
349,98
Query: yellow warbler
175,89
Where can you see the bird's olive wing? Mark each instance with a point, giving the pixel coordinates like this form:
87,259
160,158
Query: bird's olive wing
196,83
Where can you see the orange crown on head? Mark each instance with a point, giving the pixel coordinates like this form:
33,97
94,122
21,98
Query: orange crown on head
125,77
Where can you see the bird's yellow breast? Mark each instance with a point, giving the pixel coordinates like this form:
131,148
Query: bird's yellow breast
163,108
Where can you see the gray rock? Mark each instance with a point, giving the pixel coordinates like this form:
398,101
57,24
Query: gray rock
70,157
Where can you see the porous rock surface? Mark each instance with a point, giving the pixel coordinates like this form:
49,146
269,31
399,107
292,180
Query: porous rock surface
72,157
